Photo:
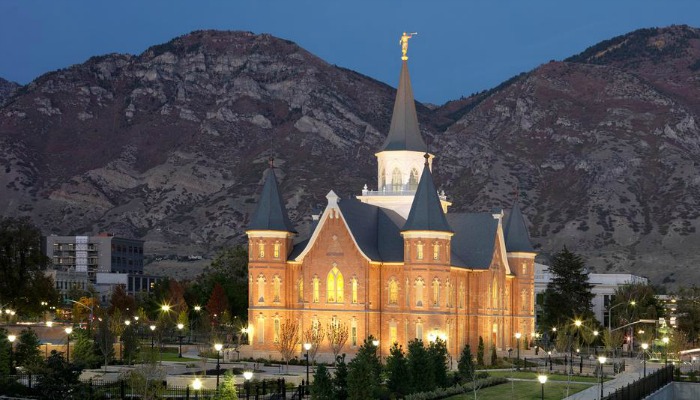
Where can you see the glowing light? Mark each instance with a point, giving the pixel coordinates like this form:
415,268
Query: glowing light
180,326
542,379
69,330
645,346
153,328
307,346
11,338
577,322
518,335
218,346
196,384
602,359
49,323
248,375
165,307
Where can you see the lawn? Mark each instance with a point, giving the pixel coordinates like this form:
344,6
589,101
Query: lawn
551,377
520,390
174,357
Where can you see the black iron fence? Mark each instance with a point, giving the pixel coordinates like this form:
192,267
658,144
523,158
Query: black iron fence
645,386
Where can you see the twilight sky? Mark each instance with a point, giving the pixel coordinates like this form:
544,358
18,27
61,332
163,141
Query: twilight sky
463,46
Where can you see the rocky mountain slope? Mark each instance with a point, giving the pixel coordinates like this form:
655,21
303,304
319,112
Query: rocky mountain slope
7,88
170,145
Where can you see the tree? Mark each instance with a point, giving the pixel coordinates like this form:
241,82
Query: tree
337,336
27,353
480,352
59,379
217,303
83,350
288,338
130,341
82,309
568,296
363,372
465,365
420,367
121,301
314,335
397,370
227,389
147,378
4,353
322,388
688,303
23,284
340,379
437,353
494,357
105,340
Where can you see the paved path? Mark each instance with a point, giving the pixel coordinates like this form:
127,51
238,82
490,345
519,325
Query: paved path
633,372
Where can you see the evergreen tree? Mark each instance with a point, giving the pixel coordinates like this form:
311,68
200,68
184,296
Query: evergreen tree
363,372
340,379
494,357
130,341
27,353
480,352
437,352
83,350
465,366
227,389
322,388
397,371
420,367
568,295
59,379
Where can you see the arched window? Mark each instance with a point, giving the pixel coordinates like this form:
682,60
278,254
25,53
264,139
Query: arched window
436,251
462,295
436,292
261,329
393,332
382,179
277,330
393,292
419,250
300,290
354,290
413,180
261,288
408,298
261,249
276,250
334,286
396,183
494,293
316,284
276,284
419,292
448,288
419,330
524,268
353,333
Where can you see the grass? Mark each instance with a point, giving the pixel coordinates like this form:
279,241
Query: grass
523,391
174,357
551,377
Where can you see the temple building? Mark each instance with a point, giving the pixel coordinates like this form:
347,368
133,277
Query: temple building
392,263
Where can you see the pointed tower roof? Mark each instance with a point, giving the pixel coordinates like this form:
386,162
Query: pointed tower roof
515,232
404,133
426,211
271,215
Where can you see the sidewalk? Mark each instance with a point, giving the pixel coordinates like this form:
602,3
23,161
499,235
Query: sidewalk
633,372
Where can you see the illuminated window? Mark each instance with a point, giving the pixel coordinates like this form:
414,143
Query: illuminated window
261,329
462,295
316,285
276,284
436,251
261,249
393,333
419,330
276,250
413,180
354,290
382,179
261,288
448,288
353,333
419,250
393,292
334,286
408,299
419,292
277,330
436,292
396,180
300,287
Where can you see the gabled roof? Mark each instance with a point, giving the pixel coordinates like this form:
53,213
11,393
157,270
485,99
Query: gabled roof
271,215
404,133
474,239
515,232
426,211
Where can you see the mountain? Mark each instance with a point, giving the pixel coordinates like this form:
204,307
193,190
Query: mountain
170,145
7,88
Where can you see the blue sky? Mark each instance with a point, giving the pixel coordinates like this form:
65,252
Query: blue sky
462,47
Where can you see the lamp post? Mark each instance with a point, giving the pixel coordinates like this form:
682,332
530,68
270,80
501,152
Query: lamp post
307,347
248,375
12,339
218,347
121,346
645,346
665,340
179,337
153,332
632,303
69,330
549,355
518,335
543,380
196,385
601,360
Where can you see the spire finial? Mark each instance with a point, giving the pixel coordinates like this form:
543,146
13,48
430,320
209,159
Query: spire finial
271,160
427,157
404,44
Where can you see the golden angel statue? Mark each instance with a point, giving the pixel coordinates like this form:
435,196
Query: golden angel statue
404,43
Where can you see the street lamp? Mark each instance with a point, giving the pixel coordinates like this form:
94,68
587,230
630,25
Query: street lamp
645,346
179,337
121,345
601,360
517,340
549,355
12,339
665,340
196,385
543,380
153,331
218,347
307,347
632,303
248,375
69,330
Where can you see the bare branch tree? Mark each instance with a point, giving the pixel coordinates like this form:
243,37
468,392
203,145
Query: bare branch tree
314,335
288,338
337,336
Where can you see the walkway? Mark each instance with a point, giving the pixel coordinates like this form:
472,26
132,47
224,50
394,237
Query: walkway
633,371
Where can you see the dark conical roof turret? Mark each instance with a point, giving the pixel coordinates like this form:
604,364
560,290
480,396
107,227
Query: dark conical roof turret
404,133
515,232
271,215
426,211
